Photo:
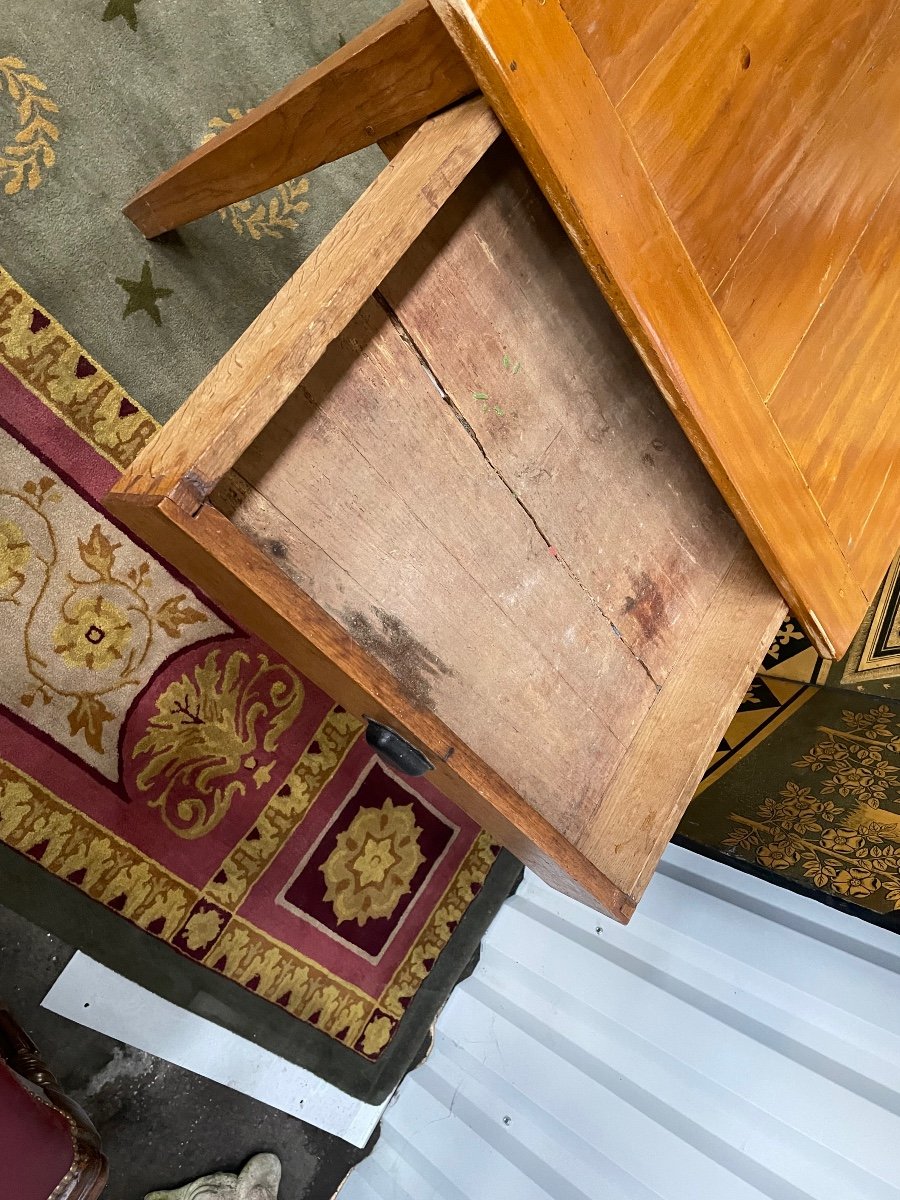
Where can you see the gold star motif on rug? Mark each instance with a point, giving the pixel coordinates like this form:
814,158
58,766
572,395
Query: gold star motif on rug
142,295
122,8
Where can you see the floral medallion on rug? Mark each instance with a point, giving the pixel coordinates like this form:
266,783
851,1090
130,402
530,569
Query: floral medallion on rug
173,768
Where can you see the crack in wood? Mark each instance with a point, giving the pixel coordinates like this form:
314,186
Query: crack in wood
410,341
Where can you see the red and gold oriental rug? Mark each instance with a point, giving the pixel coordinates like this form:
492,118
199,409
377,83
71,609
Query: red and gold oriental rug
172,767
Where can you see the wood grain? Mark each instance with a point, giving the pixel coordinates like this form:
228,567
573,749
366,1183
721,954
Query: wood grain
495,298
622,38
400,70
729,106
245,388
543,87
838,403
785,270
654,783
381,506
771,134
389,491
211,552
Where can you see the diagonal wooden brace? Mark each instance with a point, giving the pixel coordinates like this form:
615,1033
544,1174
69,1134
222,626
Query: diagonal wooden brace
207,435
402,69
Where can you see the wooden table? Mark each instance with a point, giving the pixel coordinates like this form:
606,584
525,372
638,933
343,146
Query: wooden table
477,522
435,474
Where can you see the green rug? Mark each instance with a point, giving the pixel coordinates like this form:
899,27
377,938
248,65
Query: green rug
96,98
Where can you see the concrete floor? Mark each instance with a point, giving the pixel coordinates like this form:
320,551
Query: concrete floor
161,1126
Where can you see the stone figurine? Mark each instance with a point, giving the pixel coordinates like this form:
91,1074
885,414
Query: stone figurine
258,1180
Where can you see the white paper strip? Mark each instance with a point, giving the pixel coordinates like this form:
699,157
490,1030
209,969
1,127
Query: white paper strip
92,995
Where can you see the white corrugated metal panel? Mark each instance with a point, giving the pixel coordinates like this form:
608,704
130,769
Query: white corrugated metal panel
734,1042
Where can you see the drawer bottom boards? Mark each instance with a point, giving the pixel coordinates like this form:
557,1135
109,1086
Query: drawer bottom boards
477,522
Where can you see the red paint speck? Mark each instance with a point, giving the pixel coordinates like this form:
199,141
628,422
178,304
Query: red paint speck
553,550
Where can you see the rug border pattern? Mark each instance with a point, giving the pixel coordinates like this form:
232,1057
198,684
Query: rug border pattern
61,374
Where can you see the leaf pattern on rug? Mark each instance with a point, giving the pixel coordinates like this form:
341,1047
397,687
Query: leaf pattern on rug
30,152
269,214
841,848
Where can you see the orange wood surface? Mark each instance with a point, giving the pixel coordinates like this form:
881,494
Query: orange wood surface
727,169
732,102
836,402
622,37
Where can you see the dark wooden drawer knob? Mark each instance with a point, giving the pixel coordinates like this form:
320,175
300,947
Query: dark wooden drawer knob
396,751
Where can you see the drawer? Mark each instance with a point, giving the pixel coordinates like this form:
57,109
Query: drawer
476,522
